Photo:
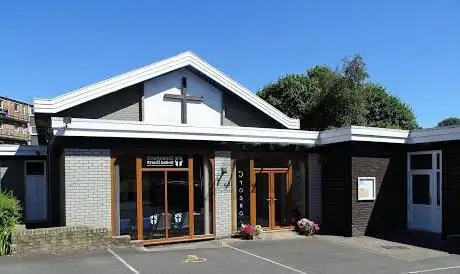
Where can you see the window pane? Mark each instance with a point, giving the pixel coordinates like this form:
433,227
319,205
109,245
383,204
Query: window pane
421,161
271,162
262,199
178,206
438,161
35,168
281,196
153,205
127,189
421,189
438,188
203,196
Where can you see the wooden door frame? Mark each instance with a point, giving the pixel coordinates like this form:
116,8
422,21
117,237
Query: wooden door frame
139,206
271,183
140,217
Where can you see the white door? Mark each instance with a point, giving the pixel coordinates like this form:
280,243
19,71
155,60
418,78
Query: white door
424,201
36,189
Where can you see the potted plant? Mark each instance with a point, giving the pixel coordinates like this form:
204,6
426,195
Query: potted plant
307,227
249,232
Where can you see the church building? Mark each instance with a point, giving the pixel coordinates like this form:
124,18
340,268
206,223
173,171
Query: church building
179,151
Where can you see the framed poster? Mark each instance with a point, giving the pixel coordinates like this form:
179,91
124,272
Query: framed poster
366,189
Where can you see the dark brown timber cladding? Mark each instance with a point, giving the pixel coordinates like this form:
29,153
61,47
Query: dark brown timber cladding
385,162
450,183
451,186
336,193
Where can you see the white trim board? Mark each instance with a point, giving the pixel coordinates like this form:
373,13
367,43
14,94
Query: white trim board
22,150
132,129
185,59
364,134
432,135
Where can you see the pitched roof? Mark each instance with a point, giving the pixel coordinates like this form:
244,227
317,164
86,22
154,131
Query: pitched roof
185,59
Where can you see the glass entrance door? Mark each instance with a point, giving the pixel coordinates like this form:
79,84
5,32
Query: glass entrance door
165,204
272,191
178,203
280,199
263,199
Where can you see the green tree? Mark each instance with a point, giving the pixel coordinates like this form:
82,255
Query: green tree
10,215
325,98
386,110
451,121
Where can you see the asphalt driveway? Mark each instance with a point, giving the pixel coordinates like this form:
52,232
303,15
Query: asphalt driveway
314,255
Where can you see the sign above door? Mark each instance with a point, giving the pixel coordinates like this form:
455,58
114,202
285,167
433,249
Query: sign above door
165,161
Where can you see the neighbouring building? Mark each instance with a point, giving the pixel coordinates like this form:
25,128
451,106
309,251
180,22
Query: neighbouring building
14,121
178,151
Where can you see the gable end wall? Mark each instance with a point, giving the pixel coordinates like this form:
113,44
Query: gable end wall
125,104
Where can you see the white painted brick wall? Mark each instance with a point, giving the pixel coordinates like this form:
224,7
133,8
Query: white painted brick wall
87,187
223,194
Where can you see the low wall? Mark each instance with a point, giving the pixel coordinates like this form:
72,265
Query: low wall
63,239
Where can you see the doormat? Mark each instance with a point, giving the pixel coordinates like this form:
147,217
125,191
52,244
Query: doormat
394,247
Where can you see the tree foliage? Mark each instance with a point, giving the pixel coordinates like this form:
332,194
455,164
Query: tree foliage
451,121
325,98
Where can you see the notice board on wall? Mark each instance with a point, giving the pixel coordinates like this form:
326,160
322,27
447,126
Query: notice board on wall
242,191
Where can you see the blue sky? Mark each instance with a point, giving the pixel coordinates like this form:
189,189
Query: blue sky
411,47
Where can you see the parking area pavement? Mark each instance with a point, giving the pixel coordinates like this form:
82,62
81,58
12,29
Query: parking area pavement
312,256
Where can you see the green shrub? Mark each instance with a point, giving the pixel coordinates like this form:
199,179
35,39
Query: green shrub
10,215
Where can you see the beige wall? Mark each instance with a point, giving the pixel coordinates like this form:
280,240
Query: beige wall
18,115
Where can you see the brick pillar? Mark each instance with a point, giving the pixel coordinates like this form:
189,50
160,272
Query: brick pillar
87,187
223,199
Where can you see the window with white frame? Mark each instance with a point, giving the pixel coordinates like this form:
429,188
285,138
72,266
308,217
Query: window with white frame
16,107
421,165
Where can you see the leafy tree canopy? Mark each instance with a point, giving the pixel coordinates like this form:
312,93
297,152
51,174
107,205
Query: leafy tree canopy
451,121
325,98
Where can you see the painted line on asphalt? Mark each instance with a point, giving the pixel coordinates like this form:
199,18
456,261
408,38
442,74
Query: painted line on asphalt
122,261
265,259
434,269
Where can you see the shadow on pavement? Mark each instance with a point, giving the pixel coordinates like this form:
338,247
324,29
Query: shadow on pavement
424,239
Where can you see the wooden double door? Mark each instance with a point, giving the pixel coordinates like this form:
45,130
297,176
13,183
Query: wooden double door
271,198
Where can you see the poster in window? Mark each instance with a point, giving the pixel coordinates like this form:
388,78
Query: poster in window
366,188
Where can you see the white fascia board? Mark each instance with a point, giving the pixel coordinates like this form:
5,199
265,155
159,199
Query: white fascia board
334,136
108,86
22,150
131,129
434,135
363,134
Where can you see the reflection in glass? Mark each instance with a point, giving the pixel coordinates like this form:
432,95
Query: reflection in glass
438,188
178,204
153,201
126,172
281,199
262,199
421,161
421,189
203,196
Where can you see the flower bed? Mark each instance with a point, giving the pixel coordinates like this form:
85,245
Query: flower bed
249,232
307,227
